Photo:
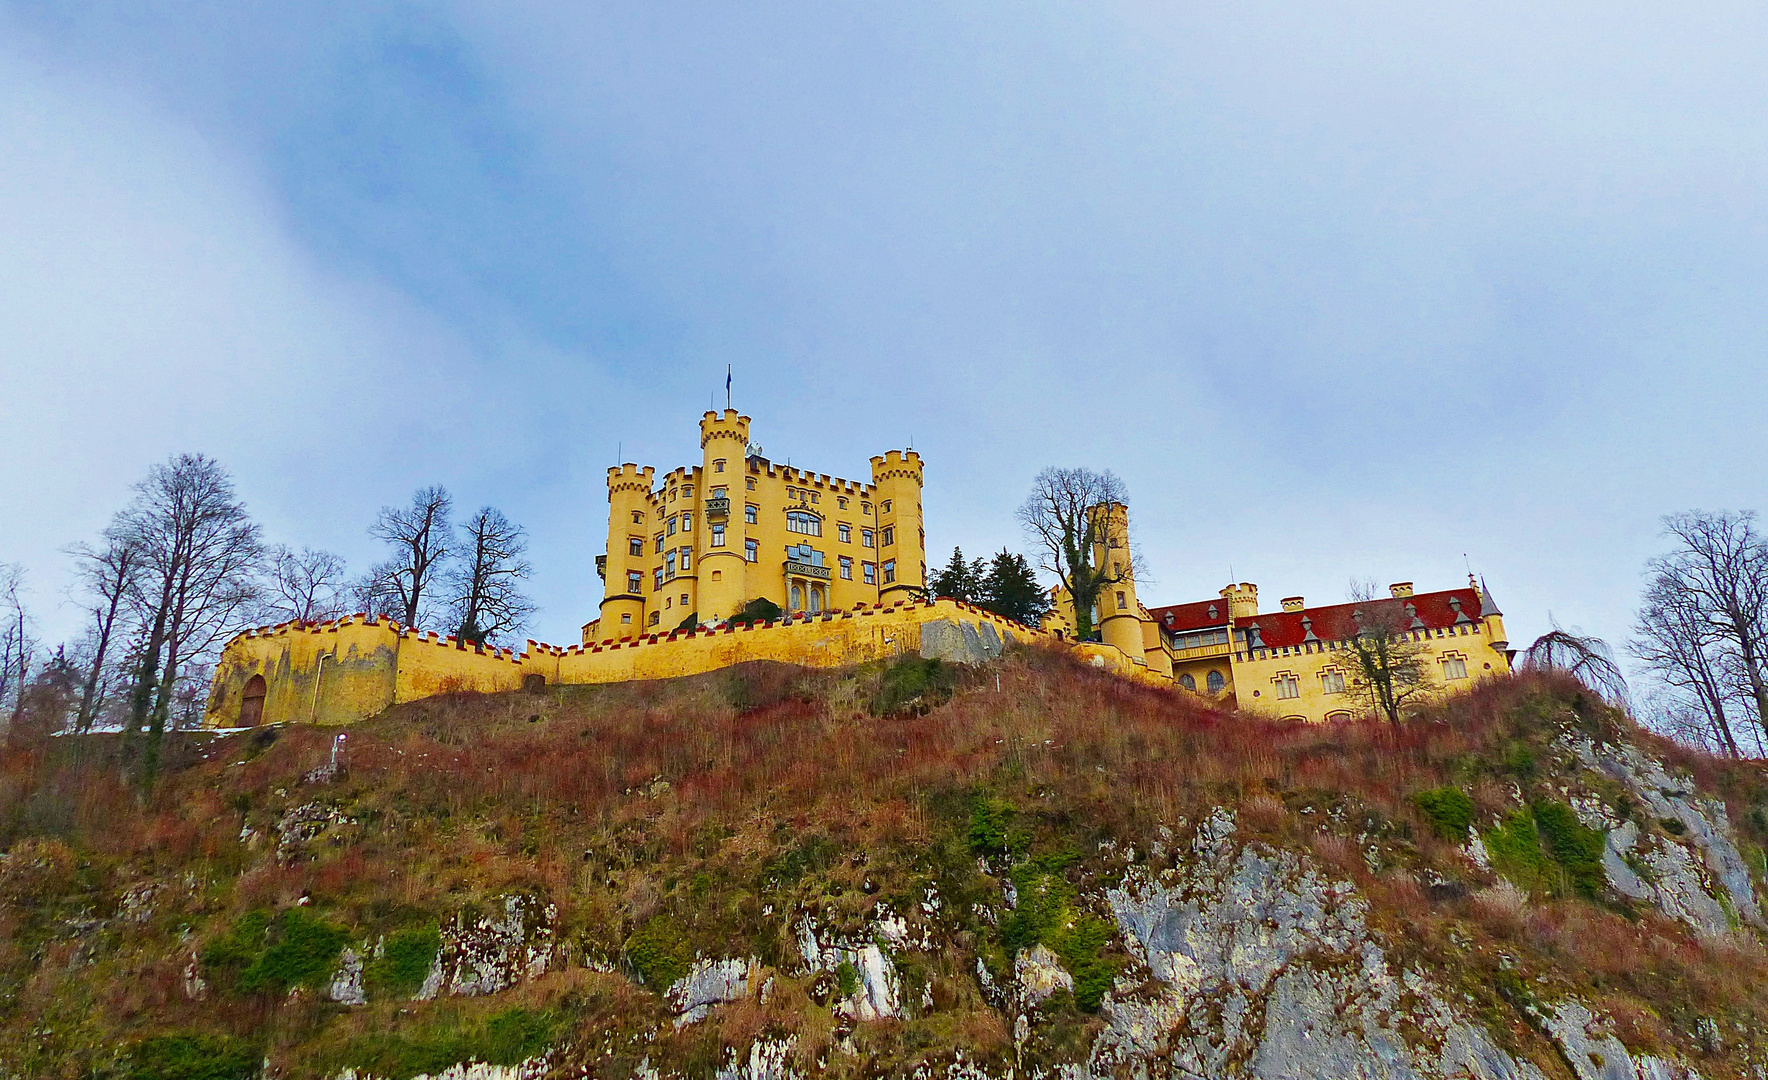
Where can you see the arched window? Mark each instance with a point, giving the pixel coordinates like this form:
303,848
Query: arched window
1188,682
797,600
1215,682
251,705
803,521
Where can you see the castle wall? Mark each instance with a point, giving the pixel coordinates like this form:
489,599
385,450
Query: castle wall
361,667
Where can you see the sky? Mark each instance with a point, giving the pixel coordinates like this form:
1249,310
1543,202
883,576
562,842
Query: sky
1341,290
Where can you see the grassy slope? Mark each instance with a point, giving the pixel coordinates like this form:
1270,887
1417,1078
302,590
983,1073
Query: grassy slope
713,809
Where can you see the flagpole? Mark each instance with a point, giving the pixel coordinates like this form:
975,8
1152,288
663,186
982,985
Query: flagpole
727,387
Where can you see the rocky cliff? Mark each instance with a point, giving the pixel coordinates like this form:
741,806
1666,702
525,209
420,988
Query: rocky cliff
1023,869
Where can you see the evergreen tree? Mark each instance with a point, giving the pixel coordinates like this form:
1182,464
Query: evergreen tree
1010,588
959,580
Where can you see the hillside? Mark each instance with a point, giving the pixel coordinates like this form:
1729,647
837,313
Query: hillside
1029,868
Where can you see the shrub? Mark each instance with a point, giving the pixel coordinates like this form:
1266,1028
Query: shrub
193,1057
1576,848
658,953
505,1038
914,681
1449,811
760,609
265,954
847,979
988,824
405,961
1080,946
1516,850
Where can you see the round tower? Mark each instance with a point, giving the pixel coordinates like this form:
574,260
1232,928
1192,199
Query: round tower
629,504
902,549
1120,615
724,441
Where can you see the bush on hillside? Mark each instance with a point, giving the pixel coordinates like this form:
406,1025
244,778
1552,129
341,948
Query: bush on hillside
405,960
914,684
760,609
658,953
1449,811
262,954
193,1057
505,1038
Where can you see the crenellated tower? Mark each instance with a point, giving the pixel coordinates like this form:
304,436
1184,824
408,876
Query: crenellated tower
629,506
896,483
724,440
1120,613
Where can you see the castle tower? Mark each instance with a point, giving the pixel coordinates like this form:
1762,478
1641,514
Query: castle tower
1120,614
724,441
1242,600
896,483
629,504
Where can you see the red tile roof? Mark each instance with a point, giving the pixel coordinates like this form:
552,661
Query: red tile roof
1429,611
1178,618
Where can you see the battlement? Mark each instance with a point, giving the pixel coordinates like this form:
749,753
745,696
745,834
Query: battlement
630,477
897,464
730,426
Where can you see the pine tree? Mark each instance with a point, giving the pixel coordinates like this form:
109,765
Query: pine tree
1010,588
959,580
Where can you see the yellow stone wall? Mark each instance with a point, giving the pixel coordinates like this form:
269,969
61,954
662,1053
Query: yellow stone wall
362,667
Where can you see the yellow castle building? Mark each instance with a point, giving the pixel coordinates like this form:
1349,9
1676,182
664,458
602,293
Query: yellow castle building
692,548
844,561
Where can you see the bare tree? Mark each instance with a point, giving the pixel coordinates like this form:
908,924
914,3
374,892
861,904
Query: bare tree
200,556
404,586
308,585
1587,659
1067,517
1681,647
1389,668
17,644
1720,565
108,576
488,600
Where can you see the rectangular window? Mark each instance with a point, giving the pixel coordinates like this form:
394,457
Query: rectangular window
718,536
669,564
1122,602
889,571
846,568
869,573
635,545
687,523
751,514
670,530
751,483
684,599
687,491
635,581
865,538
1454,667
659,547
718,465
752,550
1332,682
889,535
687,560
1287,686
884,507
657,580
865,507
844,532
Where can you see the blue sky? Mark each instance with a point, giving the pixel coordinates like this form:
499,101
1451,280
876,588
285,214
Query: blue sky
1341,290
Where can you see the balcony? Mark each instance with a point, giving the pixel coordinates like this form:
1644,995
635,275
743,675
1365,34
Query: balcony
601,567
718,506
804,569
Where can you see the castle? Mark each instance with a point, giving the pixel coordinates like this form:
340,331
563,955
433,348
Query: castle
695,547
844,561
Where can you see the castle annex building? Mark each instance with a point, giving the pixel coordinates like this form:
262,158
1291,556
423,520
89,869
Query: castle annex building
693,547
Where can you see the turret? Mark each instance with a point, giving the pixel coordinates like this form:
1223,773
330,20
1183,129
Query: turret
629,504
1242,600
1494,620
723,442
1120,613
902,555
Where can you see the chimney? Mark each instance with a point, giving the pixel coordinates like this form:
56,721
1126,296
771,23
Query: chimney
1293,603
1399,590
